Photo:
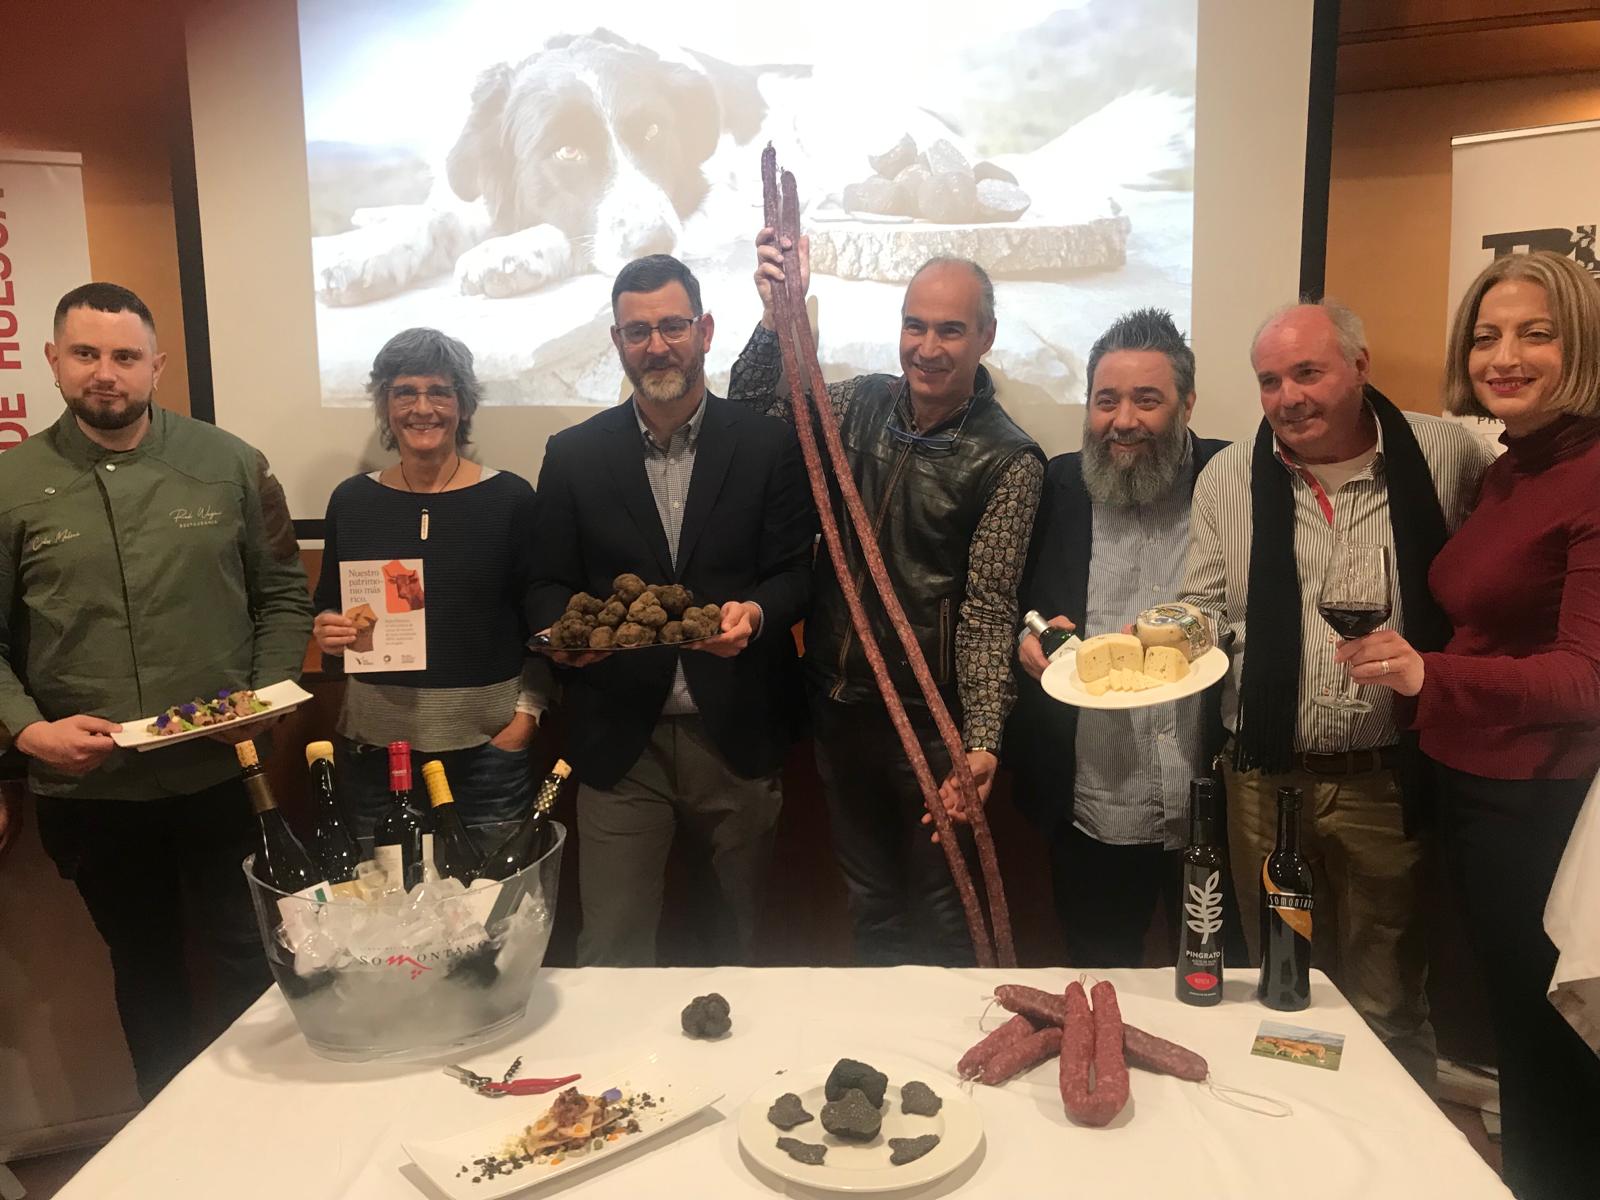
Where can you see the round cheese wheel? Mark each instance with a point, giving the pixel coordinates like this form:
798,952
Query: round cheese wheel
1181,626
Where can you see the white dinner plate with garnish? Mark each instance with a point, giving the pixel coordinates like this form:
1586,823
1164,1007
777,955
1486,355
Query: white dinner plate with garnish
863,1167
454,1164
280,698
1060,681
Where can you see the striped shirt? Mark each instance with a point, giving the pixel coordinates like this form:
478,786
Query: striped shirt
1219,565
669,469
1134,765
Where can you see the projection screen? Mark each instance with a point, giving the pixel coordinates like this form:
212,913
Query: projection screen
484,167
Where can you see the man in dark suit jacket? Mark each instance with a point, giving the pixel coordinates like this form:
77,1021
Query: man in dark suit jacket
675,486
1109,789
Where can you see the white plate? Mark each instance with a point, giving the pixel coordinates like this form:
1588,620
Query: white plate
283,696
863,1166
1060,681
441,1161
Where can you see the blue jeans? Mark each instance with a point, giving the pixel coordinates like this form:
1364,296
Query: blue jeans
489,784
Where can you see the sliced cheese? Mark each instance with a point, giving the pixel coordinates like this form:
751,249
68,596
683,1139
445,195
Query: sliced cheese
1098,656
1165,664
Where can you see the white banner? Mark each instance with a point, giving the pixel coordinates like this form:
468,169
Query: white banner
1521,190
44,253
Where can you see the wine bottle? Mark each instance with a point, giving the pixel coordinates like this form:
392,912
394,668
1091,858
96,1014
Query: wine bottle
332,847
529,840
1199,973
281,862
1053,642
1286,900
455,855
398,845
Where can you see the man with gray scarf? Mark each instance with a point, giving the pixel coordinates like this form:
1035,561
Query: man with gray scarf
1109,789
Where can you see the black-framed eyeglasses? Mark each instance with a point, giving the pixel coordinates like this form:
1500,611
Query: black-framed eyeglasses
407,397
928,443
671,329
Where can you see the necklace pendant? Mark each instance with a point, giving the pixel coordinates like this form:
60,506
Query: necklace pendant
423,532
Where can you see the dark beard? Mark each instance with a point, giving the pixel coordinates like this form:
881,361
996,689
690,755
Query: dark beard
108,419
1148,478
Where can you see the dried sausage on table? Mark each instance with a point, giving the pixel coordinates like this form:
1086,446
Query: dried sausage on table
1110,1094
1077,1051
972,1061
1151,1053
1016,1057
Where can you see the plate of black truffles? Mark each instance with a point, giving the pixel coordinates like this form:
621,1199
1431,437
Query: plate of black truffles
857,1126
636,615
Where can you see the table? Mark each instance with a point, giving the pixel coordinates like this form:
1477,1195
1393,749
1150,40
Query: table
258,1115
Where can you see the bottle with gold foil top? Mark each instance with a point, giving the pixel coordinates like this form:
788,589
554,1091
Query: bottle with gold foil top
335,852
281,861
455,856
1286,901
529,841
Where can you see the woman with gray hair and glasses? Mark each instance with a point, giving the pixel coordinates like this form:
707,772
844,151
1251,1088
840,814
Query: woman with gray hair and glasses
478,702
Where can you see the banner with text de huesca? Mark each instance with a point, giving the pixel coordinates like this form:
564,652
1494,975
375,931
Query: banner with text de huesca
44,253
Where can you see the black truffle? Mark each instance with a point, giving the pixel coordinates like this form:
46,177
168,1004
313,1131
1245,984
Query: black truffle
854,1117
918,1099
707,1017
807,1152
787,1112
847,1073
904,1150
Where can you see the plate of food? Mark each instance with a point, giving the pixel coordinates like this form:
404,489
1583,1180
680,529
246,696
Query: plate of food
203,716
635,616
1169,655
580,1126
854,1126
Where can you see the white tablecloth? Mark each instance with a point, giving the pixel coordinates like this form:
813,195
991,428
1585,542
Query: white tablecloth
258,1115
1572,919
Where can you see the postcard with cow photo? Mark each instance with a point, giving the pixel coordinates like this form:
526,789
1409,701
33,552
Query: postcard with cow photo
385,601
1297,1044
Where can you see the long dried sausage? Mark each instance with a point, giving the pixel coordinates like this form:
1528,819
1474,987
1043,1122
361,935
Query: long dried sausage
1110,1092
1043,1008
1151,1053
1077,1052
1016,1057
1014,1030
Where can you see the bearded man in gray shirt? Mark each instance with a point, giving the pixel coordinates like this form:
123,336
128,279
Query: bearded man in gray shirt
1109,789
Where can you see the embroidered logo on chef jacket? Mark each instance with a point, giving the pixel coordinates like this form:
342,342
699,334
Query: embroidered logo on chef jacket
190,518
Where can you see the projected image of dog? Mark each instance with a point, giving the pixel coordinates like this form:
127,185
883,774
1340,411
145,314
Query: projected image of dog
581,157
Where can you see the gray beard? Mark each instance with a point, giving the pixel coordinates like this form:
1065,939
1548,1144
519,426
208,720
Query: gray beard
666,387
1147,479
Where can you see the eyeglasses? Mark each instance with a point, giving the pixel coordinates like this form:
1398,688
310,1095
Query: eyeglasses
927,443
407,397
671,329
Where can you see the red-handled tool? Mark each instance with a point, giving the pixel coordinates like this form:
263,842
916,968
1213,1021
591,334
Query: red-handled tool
495,1088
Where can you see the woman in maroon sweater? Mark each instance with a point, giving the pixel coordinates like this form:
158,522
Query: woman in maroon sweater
1509,711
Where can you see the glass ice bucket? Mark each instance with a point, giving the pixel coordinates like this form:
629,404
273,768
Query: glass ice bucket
411,976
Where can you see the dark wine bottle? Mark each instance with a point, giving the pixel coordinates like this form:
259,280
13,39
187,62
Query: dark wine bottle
1199,973
1054,642
398,845
529,840
455,855
335,851
281,861
1286,899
